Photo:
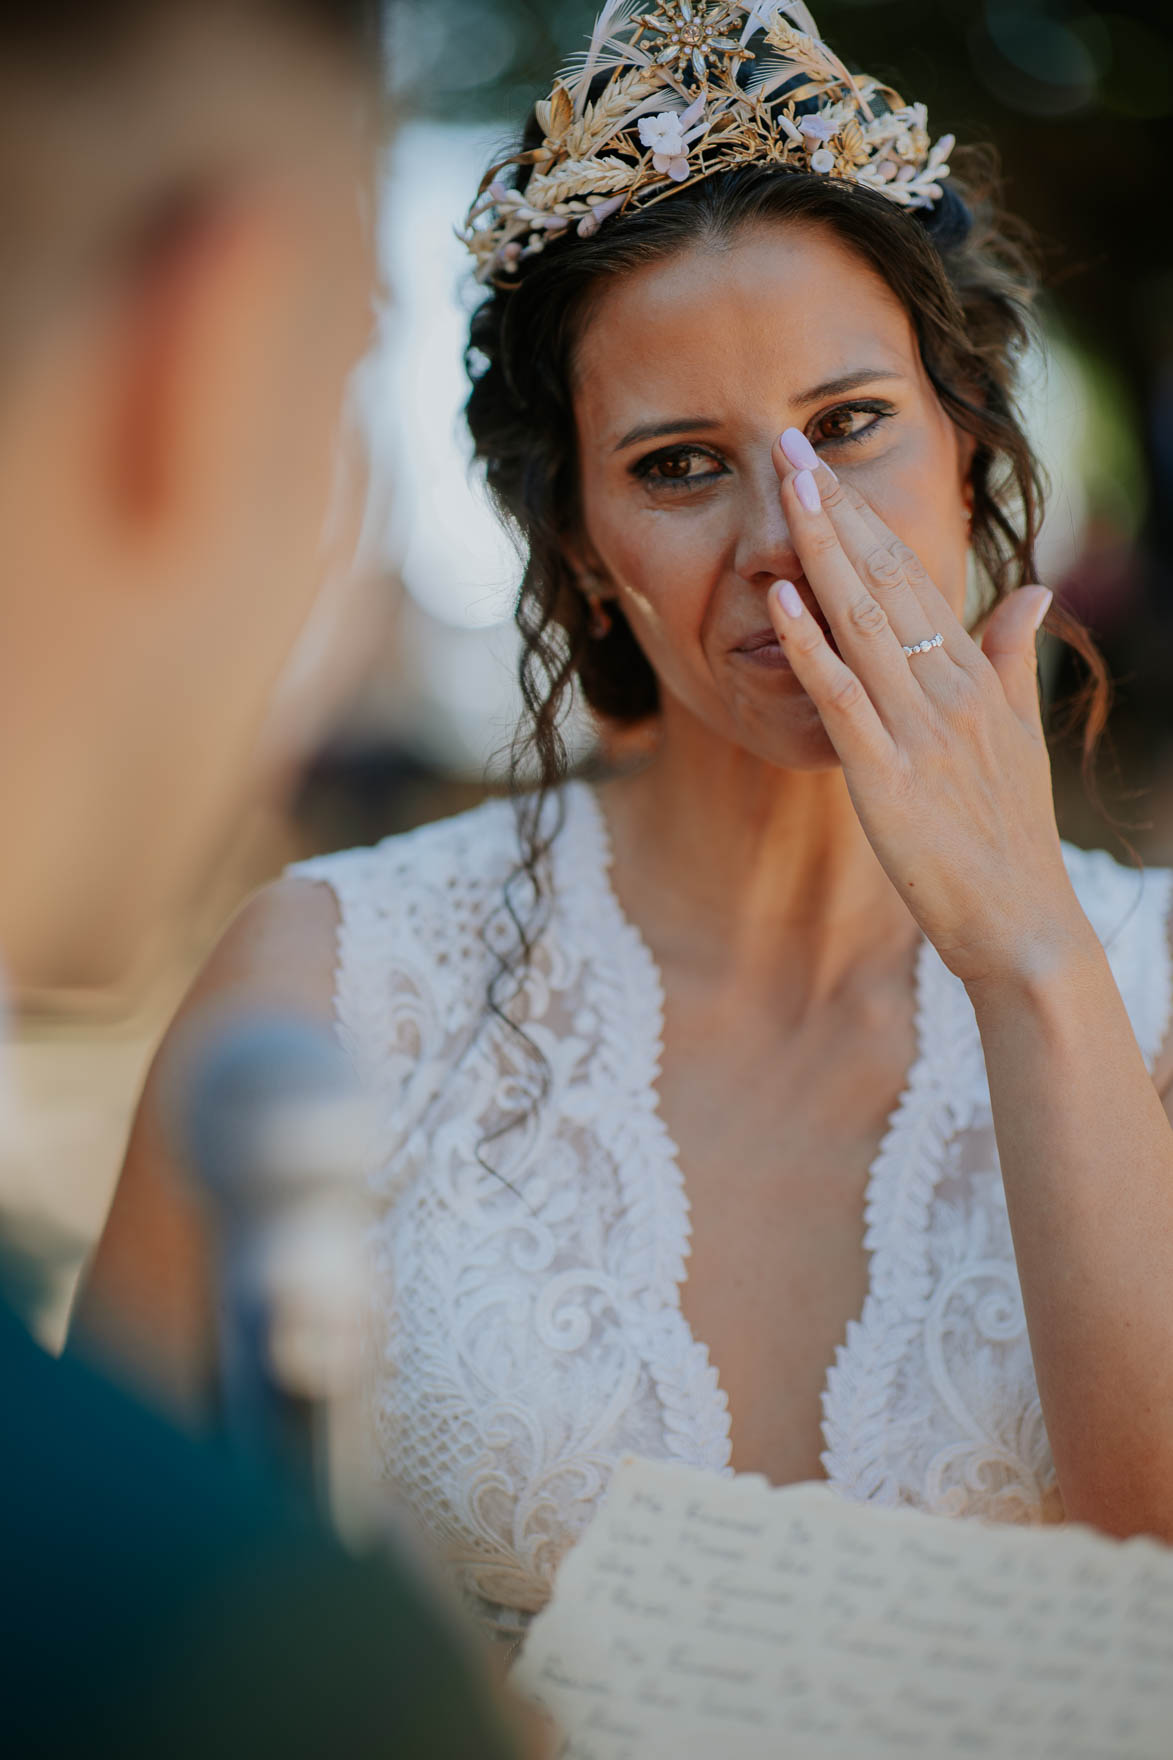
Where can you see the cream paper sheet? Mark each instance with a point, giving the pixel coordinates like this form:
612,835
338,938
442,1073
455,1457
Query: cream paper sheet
722,1619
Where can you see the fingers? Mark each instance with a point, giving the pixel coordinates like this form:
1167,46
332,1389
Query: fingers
863,632
845,709
888,568
1010,645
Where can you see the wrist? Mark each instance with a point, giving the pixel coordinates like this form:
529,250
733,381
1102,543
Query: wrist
1044,970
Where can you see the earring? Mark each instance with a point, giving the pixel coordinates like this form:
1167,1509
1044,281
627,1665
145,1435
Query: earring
600,623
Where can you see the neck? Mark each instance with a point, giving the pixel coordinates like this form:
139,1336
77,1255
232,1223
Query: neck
753,875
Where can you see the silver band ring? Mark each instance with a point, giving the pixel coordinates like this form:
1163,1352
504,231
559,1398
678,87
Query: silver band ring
937,641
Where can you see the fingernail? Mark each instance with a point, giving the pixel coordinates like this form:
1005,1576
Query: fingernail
807,491
788,597
799,450
801,453
1043,606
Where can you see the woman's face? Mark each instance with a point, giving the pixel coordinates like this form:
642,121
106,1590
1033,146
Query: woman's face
685,375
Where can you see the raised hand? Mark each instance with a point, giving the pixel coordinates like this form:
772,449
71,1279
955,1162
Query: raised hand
942,748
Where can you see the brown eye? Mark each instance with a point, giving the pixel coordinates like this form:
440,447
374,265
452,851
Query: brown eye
837,425
677,466
683,466
851,421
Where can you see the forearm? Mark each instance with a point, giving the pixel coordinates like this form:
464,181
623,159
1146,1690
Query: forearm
1087,1162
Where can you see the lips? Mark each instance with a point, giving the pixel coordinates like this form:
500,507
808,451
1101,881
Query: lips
762,638
767,638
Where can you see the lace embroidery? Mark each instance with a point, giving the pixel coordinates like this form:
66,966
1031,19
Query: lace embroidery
530,1330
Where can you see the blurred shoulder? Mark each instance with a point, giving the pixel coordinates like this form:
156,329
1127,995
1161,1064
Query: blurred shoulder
278,949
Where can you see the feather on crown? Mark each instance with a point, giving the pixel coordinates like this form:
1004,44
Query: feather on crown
688,96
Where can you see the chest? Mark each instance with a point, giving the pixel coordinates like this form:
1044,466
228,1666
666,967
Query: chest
776,1132
528,1336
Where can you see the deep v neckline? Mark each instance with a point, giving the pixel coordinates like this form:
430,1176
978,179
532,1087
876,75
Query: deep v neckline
897,1200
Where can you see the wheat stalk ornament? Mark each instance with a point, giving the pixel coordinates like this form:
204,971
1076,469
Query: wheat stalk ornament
667,95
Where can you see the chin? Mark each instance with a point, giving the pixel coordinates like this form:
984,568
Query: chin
76,958
799,743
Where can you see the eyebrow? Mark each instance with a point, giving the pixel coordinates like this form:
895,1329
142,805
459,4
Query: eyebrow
702,424
663,430
849,382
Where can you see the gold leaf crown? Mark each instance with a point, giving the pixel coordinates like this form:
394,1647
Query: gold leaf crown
682,102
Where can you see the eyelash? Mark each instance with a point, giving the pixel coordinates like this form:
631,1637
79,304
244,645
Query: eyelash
871,406
645,467
669,454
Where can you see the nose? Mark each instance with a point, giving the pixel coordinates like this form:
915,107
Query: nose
764,551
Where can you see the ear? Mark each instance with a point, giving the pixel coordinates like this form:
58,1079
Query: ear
967,445
195,368
591,576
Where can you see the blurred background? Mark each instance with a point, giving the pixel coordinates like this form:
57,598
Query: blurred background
402,696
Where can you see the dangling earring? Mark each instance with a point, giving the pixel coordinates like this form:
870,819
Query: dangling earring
599,626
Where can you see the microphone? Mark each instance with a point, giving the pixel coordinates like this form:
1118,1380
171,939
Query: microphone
266,1114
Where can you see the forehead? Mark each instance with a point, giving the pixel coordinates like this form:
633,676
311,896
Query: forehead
748,323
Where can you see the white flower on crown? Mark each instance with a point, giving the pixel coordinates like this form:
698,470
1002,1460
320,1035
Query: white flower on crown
818,131
664,135
668,134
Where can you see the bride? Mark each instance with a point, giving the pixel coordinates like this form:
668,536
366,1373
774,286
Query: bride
788,1102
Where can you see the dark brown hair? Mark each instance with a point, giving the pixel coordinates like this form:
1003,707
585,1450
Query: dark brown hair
965,275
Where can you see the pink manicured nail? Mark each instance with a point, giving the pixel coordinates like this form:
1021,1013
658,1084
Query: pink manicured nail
799,450
788,598
1044,605
801,454
807,491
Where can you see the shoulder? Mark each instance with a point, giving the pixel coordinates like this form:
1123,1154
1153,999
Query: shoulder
278,949
480,843
1131,910
416,900
412,949
284,945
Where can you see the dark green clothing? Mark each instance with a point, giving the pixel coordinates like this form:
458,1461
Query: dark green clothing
155,1600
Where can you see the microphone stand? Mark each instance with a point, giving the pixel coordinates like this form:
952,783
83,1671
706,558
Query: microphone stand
272,1126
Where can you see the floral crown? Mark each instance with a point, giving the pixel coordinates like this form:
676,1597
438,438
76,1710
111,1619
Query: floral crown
682,102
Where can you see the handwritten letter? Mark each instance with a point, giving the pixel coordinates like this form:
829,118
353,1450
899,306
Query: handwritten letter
707,1617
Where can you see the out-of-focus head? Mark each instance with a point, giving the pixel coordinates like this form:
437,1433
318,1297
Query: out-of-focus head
186,281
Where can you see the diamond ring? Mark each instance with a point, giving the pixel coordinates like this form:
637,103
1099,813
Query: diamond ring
937,641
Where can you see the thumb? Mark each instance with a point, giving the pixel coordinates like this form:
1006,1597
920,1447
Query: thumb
1009,646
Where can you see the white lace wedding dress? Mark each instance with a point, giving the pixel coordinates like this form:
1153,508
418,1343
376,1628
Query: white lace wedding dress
531,1332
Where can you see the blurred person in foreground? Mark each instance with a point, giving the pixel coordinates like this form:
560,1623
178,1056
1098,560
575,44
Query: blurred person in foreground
185,204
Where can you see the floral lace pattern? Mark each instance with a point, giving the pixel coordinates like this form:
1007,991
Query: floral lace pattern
530,1331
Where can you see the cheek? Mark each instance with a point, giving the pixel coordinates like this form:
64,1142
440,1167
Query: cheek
663,562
